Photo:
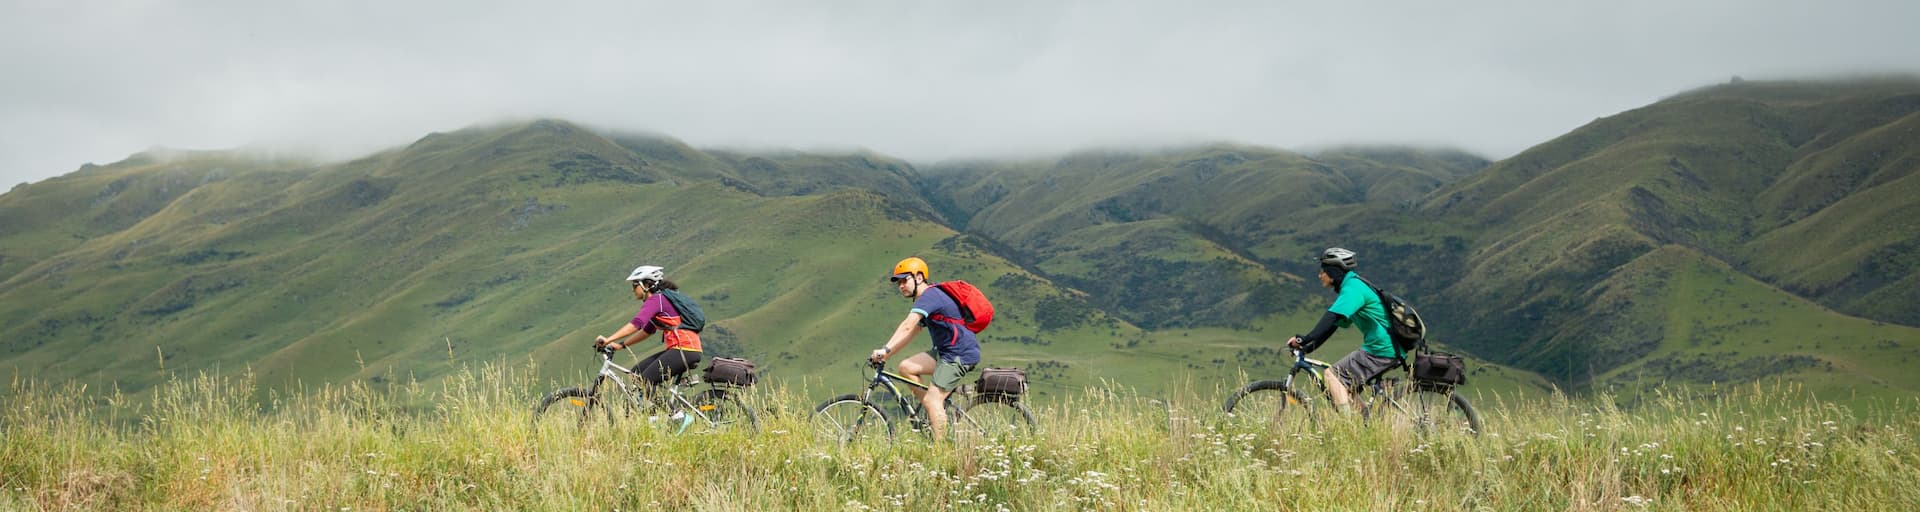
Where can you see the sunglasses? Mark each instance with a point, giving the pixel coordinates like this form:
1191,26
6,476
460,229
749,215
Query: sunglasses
636,284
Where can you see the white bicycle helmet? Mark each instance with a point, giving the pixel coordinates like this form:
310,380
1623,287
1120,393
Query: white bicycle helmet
647,274
1337,257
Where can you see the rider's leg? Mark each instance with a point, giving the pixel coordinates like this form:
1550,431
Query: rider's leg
1337,389
1354,371
918,368
650,374
934,400
676,363
946,378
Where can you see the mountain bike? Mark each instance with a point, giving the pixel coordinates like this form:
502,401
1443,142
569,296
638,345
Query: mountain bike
1426,408
871,414
617,394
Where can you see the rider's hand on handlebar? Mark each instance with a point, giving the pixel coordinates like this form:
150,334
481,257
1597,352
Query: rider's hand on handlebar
599,341
879,355
1294,343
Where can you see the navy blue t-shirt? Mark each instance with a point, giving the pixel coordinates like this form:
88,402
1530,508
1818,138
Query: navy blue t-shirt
951,340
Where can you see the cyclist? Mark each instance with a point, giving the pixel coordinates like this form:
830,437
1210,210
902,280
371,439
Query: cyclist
656,314
1356,305
955,350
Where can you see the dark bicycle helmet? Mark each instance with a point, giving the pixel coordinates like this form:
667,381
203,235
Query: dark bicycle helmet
1337,257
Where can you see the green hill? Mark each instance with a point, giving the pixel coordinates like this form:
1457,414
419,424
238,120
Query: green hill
1801,186
1722,235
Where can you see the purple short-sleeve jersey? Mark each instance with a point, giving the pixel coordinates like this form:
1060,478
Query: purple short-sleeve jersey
657,305
951,340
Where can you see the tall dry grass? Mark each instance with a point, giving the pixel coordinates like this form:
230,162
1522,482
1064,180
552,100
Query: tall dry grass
208,443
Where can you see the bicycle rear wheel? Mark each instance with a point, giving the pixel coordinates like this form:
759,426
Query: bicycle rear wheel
1429,409
1271,404
575,408
722,410
846,419
998,417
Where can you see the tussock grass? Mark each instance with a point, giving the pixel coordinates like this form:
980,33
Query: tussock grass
206,443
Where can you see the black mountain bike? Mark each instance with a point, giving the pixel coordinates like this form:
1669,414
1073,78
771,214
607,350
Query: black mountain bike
1424,407
871,414
715,408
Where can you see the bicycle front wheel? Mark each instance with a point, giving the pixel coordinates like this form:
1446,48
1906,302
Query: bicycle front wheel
1272,404
575,408
1429,409
998,416
846,419
723,410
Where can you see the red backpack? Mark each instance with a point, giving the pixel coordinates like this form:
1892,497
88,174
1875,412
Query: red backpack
975,309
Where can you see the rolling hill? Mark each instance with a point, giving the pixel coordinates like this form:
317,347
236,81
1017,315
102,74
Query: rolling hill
1722,235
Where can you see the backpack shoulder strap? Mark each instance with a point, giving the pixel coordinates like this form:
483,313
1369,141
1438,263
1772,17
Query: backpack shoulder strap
671,298
956,304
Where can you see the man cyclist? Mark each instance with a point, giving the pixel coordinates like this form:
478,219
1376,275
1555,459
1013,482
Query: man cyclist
955,350
1355,305
656,314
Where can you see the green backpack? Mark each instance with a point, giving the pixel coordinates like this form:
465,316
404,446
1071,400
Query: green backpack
691,317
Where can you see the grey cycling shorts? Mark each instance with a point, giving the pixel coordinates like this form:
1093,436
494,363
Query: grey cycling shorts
1359,367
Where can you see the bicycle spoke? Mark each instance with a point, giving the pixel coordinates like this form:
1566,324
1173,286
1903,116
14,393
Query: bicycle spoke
847,419
1434,411
1269,404
570,409
999,417
719,409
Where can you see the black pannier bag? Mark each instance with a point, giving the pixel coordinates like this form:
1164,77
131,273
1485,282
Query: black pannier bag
1440,368
728,370
1003,381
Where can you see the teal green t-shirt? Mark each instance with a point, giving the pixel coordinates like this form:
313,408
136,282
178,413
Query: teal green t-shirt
1364,311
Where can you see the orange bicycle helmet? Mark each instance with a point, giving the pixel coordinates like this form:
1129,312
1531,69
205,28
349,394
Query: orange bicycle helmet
910,266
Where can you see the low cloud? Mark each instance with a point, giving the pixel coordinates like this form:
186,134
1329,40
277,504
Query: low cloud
95,81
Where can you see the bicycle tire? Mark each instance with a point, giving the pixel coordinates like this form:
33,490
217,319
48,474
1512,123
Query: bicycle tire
723,410
846,419
1431,410
1000,416
1272,403
572,404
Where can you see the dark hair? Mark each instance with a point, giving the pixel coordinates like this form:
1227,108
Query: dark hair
663,285
1336,273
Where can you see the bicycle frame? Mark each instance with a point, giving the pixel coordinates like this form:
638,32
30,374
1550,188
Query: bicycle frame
672,399
1315,367
882,377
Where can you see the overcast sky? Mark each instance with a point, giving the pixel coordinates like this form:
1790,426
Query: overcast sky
94,81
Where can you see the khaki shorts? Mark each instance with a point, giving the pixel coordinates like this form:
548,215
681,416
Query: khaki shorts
947,374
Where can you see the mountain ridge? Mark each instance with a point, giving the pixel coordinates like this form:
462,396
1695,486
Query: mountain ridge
487,241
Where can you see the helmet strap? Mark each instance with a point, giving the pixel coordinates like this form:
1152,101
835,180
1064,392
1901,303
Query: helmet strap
919,284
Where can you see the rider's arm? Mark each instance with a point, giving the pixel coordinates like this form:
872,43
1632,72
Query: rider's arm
901,335
1320,332
642,322
618,337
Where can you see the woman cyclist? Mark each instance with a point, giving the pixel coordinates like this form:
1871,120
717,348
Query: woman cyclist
656,314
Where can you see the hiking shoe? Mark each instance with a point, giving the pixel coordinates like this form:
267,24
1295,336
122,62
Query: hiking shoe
685,420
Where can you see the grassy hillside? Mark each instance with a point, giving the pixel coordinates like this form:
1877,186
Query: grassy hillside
1184,238
1793,182
509,241
1647,249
